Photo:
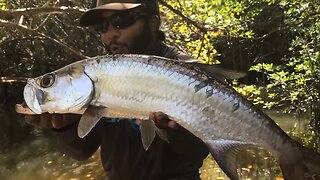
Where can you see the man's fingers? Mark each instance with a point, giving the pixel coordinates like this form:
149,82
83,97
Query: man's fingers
63,120
157,118
172,124
45,120
69,119
56,121
161,116
32,119
152,116
162,120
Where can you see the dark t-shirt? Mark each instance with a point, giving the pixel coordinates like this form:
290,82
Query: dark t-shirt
122,154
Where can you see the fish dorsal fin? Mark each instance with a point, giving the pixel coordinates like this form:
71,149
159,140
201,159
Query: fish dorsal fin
148,131
218,71
225,153
89,119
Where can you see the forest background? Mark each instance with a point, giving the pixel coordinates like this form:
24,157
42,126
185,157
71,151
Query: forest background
275,42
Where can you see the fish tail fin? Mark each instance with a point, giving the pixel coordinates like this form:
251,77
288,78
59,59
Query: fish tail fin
301,163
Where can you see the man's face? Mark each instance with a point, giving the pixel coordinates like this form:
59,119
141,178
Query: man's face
124,40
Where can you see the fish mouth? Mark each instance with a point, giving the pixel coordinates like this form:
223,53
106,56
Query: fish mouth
33,97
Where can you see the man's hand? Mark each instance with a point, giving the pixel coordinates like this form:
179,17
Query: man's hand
162,121
56,121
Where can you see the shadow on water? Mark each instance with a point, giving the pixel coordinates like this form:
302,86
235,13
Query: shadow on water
28,153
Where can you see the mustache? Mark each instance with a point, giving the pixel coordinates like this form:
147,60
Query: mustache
116,43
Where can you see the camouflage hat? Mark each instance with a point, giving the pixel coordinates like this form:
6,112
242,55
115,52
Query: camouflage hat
92,16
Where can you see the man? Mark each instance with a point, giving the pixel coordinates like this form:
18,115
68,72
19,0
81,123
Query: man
130,26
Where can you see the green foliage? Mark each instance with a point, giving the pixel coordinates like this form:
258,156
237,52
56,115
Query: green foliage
294,80
3,5
305,136
46,45
278,40
36,44
217,18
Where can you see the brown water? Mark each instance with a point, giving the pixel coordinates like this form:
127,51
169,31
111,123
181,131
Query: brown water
39,158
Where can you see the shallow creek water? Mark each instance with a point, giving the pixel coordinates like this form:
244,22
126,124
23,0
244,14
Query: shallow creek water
39,158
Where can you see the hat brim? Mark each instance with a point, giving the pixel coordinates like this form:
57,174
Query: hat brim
93,16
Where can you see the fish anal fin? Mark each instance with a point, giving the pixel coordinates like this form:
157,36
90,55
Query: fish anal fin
162,133
89,119
225,153
148,131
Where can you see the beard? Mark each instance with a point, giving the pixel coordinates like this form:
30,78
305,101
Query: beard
139,45
142,42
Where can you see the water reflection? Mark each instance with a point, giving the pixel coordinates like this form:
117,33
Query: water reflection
252,164
39,158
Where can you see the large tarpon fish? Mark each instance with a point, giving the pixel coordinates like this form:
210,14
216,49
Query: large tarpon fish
132,86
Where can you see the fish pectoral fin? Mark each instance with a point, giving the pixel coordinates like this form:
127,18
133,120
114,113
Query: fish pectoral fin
225,153
89,119
148,133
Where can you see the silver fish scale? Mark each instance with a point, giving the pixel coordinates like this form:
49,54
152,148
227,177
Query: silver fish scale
137,86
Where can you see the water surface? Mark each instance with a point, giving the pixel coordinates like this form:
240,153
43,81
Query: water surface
39,158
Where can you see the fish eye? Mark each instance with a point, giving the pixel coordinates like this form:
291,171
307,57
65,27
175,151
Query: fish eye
47,80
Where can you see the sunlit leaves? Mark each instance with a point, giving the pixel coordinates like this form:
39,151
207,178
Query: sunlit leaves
277,38
218,17
245,28
294,82
3,5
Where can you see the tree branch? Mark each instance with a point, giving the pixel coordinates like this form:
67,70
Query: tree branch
13,79
188,20
17,26
271,32
15,13
43,22
32,31
5,42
